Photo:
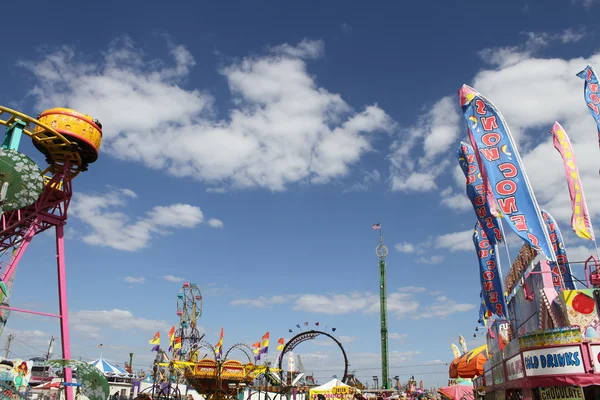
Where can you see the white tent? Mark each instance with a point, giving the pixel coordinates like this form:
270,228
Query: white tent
333,388
329,385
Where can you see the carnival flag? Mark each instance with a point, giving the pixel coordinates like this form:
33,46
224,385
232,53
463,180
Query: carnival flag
502,170
155,339
561,270
580,219
590,94
491,281
280,344
455,351
219,346
476,192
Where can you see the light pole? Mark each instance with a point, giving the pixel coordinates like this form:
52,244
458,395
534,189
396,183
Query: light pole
382,252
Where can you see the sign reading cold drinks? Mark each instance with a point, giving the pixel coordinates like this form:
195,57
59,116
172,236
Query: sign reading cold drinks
553,361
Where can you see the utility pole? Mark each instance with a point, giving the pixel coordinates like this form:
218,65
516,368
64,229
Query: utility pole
382,252
9,339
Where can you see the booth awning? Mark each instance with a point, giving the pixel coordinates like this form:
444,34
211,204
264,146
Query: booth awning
457,392
470,364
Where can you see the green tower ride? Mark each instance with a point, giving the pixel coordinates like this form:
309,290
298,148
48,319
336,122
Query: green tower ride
382,252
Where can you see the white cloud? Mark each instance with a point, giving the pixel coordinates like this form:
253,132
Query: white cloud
92,323
456,241
134,279
412,289
261,302
405,247
434,259
215,223
305,49
436,129
397,336
114,229
401,303
346,339
283,129
172,278
442,307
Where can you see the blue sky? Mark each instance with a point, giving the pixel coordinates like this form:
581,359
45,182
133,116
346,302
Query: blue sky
249,148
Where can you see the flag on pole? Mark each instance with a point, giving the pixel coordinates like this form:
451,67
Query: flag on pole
219,346
290,330
177,343
580,218
590,94
491,281
316,324
171,337
155,348
476,192
280,344
265,340
561,270
100,345
256,351
376,226
155,339
298,326
502,170
306,323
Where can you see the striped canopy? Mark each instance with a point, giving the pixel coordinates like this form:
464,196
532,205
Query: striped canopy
109,369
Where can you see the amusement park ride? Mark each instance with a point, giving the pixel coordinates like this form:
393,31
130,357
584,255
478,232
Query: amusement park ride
32,201
216,377
189,309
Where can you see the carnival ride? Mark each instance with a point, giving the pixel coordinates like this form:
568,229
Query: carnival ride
212,377
33,201
311,335
189,310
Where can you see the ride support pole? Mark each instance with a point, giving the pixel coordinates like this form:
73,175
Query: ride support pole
63,306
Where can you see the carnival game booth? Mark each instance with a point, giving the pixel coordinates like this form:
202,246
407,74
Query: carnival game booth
549,349
334,389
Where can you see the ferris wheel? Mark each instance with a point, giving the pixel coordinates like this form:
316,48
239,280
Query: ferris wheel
189,310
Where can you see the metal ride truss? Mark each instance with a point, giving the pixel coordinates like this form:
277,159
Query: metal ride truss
189,310
19,227
311,335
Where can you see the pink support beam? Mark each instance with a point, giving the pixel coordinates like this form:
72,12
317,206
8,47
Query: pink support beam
14,261
30,312
63,305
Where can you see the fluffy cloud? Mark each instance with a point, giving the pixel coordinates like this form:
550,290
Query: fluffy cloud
261,302
215,223
134,279
398,336
405,247
115,229
283,128
171,278
92,323
401,303
434,259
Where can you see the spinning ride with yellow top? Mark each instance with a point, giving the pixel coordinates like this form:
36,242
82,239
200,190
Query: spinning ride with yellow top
33,200
215,378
